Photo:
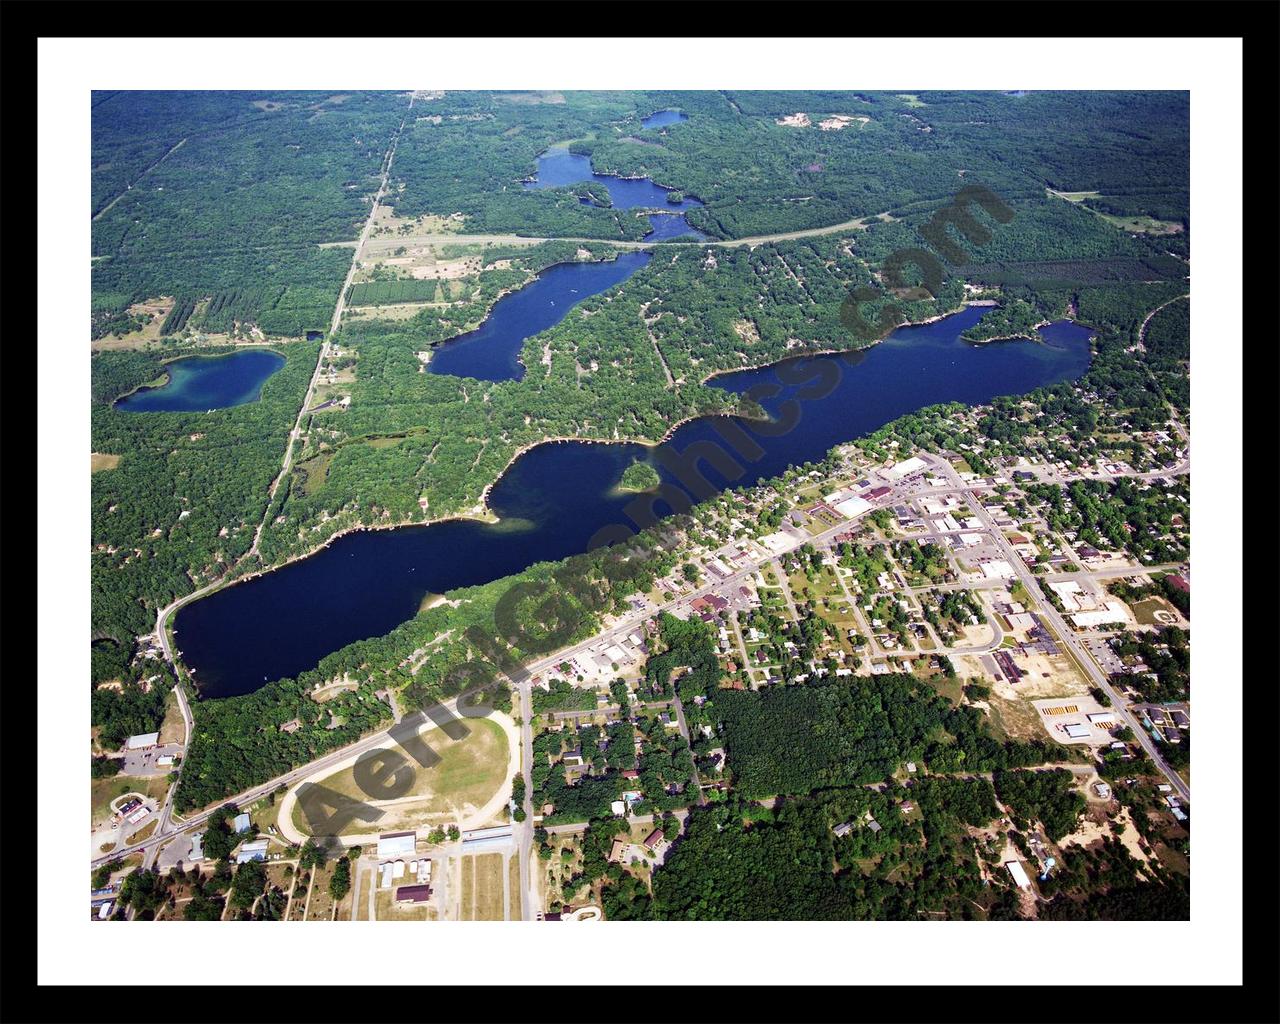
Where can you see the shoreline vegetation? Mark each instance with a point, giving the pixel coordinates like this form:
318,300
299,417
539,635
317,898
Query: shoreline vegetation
480,511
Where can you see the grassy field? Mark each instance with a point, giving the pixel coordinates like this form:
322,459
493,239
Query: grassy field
1145,611
490,871
513,887
468,773
142,833
468,889
100,461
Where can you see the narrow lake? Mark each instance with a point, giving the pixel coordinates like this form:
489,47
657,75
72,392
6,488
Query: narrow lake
555,498
198,383
492,351
558,167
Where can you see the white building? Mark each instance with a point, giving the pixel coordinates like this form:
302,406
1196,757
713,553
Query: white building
396,844
1019,874
142,741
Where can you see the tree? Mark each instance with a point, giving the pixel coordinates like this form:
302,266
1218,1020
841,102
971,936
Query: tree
340,883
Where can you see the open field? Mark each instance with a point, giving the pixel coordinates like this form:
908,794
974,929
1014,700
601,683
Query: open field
99,461
488,874
471,773
172,729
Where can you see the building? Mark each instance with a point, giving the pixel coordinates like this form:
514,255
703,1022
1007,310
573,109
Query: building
164,761
906,468
241,823
256,850
413,894
143,741
1103,790
619,808
653,838
853,507
1019,874
396,844
1076,731
842,830
197,847
1102,718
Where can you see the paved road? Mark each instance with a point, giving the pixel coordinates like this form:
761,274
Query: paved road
1066,635
628,624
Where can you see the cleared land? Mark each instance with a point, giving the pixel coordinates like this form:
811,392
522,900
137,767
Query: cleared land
470,772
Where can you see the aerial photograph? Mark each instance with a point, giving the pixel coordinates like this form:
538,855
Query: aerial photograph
586,506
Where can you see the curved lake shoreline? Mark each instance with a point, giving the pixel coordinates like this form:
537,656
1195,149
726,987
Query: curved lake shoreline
198,383
556,494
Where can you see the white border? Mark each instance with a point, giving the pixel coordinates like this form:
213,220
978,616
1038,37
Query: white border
1207,950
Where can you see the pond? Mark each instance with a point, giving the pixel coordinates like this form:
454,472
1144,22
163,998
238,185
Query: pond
200,383
662,118
558,167
492,351
556,497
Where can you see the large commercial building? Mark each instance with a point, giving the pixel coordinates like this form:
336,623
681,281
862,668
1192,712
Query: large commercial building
396,844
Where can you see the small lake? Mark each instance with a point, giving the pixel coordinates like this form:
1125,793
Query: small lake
558,167
555,497
662,118
492,350
199,383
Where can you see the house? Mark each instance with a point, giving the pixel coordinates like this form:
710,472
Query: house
653,838
293,725
842,830
241,823
630,773
1103,790
617,851
873,825
619,808
413,894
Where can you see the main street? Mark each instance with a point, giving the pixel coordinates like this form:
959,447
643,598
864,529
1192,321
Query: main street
1066,634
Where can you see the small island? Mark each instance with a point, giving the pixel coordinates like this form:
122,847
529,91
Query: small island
675,197
639,476
1015,319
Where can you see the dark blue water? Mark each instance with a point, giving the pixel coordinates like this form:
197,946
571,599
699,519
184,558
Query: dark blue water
492,351
557,498
207,382
662,118
558,167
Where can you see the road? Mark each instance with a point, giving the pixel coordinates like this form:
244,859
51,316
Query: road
168,610
384,245
1066,634
627,624
296,432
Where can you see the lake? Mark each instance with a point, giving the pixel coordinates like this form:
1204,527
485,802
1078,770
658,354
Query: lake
492,351
557,167
198,383
662,118
555,497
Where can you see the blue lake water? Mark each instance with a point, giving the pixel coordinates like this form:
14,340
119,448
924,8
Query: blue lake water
198,383
662,118
557,167
492,350
556,499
